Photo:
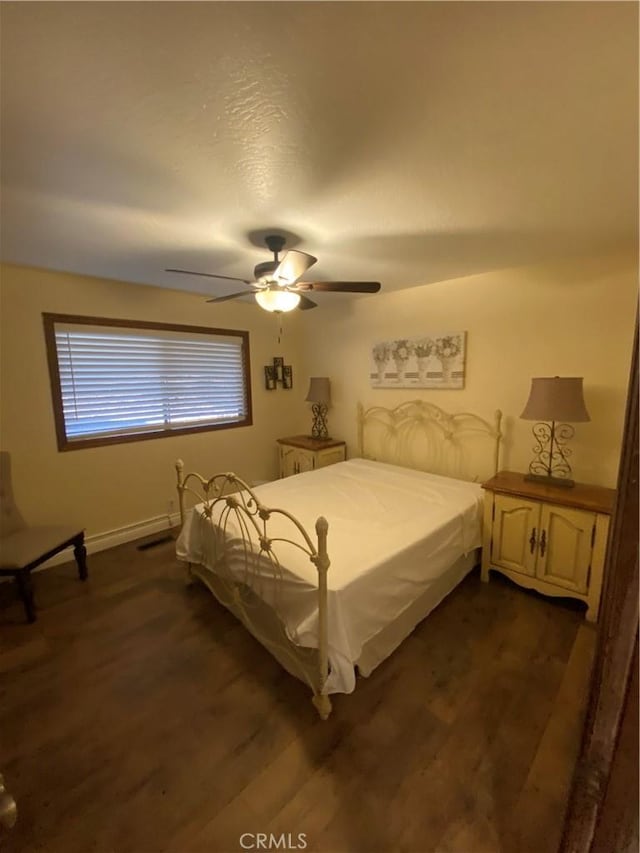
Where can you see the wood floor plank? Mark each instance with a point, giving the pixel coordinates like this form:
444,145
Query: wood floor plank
544,797
462,778
137,716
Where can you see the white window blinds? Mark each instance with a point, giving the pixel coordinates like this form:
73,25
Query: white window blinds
121,381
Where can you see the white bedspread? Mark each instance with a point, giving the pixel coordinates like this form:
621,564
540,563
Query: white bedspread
392,532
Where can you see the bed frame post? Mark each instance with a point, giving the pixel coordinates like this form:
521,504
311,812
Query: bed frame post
180,486
320,699
180,475
360,430
496,459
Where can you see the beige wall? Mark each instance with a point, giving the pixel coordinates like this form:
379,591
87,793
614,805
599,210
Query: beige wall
105,488
571,319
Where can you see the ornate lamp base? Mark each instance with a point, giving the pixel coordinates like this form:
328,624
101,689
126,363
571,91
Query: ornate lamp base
551,455
319,429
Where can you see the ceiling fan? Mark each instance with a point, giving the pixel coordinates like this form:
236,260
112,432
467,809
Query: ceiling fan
277,286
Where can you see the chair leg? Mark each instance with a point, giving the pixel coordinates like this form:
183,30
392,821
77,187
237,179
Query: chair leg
80,553
23,579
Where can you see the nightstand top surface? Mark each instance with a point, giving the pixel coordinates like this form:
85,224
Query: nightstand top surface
581,495
307,442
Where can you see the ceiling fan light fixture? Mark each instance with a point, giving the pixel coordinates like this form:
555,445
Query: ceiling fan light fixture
277,300
277,284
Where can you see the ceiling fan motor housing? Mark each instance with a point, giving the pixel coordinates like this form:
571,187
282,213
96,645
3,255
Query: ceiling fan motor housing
275,243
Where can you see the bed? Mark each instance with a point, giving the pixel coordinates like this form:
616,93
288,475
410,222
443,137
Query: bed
331,569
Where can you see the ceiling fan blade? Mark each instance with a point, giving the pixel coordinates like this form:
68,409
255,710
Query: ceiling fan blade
233,296
340,286
292,266
306,303
211,275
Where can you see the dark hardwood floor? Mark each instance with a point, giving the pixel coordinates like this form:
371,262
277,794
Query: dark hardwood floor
136,716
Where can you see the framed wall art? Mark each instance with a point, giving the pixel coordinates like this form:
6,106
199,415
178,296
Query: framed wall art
432,361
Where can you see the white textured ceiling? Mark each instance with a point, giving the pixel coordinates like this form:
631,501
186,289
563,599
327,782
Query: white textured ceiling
404,142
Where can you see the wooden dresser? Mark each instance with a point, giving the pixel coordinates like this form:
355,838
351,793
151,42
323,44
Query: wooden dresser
300,453
548,538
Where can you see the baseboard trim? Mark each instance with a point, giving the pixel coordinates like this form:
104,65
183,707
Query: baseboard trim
119,536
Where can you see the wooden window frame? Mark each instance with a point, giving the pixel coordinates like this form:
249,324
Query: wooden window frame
65,444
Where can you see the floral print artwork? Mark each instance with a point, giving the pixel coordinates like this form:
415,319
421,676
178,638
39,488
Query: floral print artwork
431,361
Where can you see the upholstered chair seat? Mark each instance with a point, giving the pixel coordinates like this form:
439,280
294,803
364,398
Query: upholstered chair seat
23,547
29,544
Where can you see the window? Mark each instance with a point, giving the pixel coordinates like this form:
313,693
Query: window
116,381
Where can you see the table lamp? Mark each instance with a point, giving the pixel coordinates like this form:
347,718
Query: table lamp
559,401
320,395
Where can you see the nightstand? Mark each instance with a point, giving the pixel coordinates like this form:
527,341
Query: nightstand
300,453
548,538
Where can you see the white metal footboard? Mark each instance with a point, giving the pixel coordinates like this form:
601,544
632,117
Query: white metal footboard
240,524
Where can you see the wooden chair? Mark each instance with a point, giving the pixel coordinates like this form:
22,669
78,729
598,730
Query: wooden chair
22,548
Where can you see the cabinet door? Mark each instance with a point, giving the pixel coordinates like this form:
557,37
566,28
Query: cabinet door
516,525
305,460
565,545
288,458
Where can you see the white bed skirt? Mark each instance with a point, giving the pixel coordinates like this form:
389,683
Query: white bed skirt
376,649
379,648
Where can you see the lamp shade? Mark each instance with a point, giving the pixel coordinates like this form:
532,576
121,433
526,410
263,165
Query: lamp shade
277,300
556,398
319,390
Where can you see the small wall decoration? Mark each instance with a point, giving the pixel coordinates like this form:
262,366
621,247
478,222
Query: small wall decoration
270,377
431,361
278,365
278,373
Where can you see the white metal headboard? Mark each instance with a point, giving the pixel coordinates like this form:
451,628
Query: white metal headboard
423,436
